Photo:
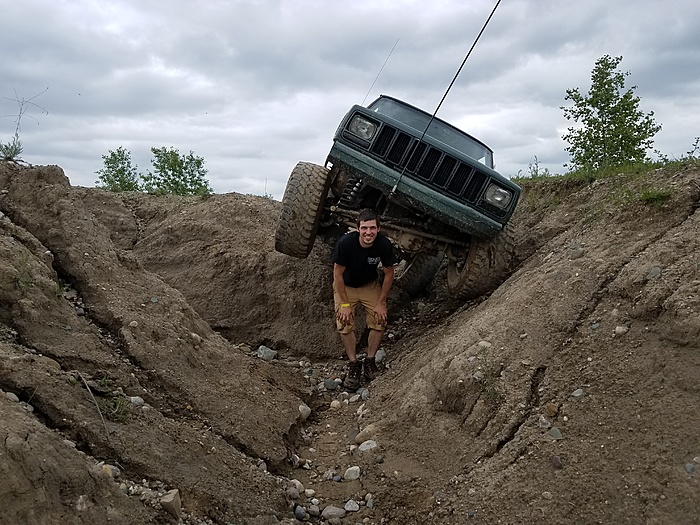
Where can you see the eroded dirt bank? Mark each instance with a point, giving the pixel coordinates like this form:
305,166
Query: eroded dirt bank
569,395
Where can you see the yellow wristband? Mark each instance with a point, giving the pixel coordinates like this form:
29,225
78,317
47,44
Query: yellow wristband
343,305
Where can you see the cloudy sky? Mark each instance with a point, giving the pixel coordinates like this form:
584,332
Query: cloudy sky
254,86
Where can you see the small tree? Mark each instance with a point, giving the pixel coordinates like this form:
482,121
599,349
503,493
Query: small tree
614,131
176,174
12,149
118,173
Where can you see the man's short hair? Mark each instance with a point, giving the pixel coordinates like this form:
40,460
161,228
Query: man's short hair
367,215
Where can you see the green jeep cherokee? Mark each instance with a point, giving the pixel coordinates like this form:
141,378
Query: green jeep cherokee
433,184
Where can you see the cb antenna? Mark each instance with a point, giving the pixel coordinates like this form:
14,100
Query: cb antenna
380,72
427,127
466,57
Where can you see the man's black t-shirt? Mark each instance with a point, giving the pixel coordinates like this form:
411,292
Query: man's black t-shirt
361,263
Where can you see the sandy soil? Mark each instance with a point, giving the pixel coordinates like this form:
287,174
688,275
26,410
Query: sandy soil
570,395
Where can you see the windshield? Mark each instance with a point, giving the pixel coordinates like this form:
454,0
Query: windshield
439,130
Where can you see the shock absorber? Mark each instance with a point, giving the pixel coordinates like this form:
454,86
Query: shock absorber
351,195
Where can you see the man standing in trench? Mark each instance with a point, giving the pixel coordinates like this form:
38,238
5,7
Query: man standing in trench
356,258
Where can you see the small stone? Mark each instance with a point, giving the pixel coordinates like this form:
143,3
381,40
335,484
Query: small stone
133,324
621,330
543,422
11,397
367,446
336,405
196,338
557,462
352,506
337,478
554,433
136,400
579,392
576,253
83,503
366,433
314,511
299,513
690,468
547,495
380,355
654,273
309,493
111,470
171,503
265,353
304,412
551,409
332,511
298,485
292,493
330,384
352,473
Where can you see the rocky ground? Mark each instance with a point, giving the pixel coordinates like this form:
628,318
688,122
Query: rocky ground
161,363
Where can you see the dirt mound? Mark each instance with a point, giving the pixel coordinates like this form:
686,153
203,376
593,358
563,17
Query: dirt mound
129,325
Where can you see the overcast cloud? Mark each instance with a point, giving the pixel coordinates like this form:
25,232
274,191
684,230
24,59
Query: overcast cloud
255,86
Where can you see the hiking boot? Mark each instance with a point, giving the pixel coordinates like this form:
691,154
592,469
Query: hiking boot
371,370
352,380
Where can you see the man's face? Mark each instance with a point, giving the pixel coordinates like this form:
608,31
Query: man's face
368,232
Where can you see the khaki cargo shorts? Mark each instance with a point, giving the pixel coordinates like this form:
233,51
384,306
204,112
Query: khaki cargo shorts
368,297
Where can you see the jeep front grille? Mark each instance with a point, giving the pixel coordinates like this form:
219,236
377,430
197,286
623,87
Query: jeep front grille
422,161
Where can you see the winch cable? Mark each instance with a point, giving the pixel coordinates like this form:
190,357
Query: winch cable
425,131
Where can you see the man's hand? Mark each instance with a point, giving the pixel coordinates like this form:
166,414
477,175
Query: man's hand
345,314
380,313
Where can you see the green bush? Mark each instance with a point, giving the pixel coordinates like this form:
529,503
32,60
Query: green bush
172,173
176,174
118,174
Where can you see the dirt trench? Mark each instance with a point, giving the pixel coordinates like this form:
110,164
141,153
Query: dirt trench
568,395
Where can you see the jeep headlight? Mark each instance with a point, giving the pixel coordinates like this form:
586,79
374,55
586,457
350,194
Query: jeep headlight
363,128
498,196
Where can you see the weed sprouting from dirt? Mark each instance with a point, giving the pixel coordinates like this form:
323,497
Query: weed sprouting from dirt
116,408
489,380
655,196
24,278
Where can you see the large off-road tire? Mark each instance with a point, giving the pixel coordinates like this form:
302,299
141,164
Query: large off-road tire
417,272
302,205
484,268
